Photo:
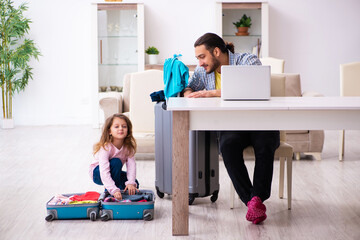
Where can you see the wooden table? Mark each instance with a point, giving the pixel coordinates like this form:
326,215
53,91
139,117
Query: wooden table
280,113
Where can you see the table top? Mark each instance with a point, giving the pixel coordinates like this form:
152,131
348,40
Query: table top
275,103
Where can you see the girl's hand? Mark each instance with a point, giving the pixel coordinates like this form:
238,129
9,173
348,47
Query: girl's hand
131,189
118,195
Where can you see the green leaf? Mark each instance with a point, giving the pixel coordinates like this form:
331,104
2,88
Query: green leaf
152,50
16,51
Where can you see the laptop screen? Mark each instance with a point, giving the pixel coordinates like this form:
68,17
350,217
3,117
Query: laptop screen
245,82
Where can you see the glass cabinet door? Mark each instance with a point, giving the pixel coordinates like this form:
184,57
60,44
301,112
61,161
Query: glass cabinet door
117,44
242,43
257,42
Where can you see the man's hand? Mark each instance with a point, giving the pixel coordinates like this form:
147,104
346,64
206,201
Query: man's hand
131,188
205,93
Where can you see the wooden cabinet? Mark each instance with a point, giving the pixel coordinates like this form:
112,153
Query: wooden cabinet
117,47
229,12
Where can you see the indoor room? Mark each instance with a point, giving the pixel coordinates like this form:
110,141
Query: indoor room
83,81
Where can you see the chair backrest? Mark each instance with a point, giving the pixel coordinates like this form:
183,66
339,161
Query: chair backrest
292,84
285,85
278,85
137,92
276,64
350,79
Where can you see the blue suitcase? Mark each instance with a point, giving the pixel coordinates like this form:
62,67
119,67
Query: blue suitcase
128,210
72,211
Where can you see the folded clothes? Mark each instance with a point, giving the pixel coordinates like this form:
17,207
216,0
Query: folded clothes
137,197
59,200
88,196
126,198
111,199
82,202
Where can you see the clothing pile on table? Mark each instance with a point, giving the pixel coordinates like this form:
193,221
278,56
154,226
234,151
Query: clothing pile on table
88,197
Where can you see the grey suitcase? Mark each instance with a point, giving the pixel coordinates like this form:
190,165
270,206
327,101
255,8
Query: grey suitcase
203,158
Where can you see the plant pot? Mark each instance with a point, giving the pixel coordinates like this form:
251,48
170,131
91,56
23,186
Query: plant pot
153,59
8,123
103,88
242,31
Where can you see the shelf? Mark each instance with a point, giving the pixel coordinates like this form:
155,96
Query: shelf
120,64
123,36
161,67
249,36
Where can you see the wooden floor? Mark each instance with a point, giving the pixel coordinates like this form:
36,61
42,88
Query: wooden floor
38,162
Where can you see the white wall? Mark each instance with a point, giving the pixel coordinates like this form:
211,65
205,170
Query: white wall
313,36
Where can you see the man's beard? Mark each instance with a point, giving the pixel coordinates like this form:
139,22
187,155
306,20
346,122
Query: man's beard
216,64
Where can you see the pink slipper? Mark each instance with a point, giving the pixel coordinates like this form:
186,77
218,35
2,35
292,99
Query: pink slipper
256,211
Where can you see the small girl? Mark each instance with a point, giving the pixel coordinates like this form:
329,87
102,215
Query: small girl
116,147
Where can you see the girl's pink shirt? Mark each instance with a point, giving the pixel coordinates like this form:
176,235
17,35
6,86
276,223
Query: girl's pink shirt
102,158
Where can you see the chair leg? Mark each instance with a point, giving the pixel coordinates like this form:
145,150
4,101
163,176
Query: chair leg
297,156
341,144
281,177
232,195
289,180
317,155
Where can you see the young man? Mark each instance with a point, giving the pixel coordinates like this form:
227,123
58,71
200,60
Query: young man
212,52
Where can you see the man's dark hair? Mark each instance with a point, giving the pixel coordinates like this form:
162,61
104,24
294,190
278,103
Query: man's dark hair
211,41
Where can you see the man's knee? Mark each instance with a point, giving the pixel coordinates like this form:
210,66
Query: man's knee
231,143
227,143
267,141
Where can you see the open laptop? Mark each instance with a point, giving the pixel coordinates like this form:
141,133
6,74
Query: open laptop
245,82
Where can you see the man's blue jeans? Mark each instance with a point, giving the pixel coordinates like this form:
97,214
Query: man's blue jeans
117,174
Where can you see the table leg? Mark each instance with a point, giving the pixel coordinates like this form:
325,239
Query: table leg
180,173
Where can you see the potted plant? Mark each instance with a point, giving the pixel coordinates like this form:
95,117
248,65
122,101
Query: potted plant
15,54
153,53
243,25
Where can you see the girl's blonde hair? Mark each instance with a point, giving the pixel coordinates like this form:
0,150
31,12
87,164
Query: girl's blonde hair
129,141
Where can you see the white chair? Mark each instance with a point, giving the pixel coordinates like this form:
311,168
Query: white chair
135,102
284,152
349,86
277,65
137,91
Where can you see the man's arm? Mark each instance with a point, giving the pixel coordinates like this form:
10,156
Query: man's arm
187,91
203,93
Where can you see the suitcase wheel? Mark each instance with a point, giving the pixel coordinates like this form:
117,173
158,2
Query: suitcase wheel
148,215
93,216
160,194
214,197
50,217
191,199
105,216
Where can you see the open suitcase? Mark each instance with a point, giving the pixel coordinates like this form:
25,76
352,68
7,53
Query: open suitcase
72,211
128,210
203,158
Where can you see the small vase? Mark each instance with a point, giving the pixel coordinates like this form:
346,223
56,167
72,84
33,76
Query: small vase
153,59
8,123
